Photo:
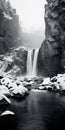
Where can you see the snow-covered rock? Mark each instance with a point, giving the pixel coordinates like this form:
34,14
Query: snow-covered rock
46,81
17,90
4,98
25,83
22,90
12,85
7,112
5,80
4,90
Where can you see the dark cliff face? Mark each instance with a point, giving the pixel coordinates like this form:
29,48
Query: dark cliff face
62,31
51,54
9,27
14,63
12,58
20,59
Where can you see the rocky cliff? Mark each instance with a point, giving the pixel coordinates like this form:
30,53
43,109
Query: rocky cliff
12,60
9,27
51,59
14,63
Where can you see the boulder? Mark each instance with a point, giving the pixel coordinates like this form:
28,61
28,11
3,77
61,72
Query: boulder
4,90
7,112
4,100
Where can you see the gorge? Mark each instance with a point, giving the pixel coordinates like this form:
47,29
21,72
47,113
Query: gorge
32,90
51,54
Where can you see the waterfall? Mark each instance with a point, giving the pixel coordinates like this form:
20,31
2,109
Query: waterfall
29,62
32,65
34,71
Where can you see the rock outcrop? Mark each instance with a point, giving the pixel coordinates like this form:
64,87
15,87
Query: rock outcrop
62,31
14,63
52,52
20,59
9,27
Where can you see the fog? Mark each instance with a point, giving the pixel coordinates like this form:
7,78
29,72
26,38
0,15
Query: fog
31,15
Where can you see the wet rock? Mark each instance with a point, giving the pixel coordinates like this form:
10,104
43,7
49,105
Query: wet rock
28,84
4,100
49,88
4,90
54,79
7,112
38,80
1,77
42,88
28,79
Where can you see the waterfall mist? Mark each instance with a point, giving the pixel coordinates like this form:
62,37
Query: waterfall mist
31,17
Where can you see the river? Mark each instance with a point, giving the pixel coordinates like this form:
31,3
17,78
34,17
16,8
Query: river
38,111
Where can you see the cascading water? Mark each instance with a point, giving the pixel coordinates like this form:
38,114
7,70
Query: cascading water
32,67
29,62
34,71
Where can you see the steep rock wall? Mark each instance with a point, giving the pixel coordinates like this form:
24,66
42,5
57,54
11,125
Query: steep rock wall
62,31
9,27
50,60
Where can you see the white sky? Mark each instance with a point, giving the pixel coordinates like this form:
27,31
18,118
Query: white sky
31,14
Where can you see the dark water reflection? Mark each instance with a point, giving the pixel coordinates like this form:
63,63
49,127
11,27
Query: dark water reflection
39,111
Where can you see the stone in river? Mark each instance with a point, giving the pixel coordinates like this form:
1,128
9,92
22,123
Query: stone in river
7,112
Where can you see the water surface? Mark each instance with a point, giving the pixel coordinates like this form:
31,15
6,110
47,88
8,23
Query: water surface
39,111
